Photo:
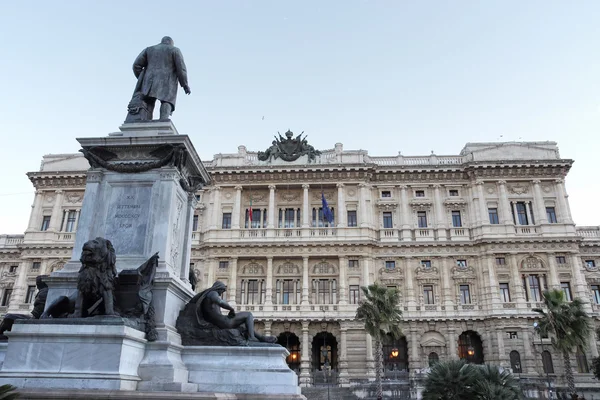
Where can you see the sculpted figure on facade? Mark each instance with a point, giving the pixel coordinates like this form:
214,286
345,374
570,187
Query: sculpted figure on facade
202,323
158,70
289,148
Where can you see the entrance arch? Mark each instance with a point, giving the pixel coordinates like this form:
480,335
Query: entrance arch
470,347
324,351
291,342
395,354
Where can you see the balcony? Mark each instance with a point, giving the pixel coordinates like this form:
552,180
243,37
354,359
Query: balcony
10,241
459,234
589,232
389,234
527,230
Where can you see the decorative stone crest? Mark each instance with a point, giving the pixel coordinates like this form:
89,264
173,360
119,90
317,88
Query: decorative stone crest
518,188
289,148
288,268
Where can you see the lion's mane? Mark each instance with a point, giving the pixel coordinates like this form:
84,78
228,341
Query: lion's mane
98,275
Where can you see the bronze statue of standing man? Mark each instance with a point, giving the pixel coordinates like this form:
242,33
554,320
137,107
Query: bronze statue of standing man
158,69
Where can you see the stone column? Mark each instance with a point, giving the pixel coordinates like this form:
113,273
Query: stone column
440,215
232,281
366,269
216,211
305,206
341,206
363,217
19,288
527,288
56,217
452,343
370,359
213,266
411,302
413,357
269,290
528,210
406,222
343,359
493,283
305,356
517,286
564,212
506,215
446,283
483,215
36,211
501,351
76,224
554,283
580,286
237,206
305,280
516,214
343,282
271,218
540,206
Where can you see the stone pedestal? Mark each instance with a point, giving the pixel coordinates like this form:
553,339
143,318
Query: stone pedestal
87,353
248,370
140,195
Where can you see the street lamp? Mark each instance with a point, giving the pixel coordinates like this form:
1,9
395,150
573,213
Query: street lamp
536,328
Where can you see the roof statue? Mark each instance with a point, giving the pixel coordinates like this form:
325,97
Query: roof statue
289,148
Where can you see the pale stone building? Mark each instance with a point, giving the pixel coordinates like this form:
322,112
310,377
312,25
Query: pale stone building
470,241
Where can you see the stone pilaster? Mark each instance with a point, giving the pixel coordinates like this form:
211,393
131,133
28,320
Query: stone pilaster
237,207
19,288
36,211
305,206
56,217
341,206
406,221
305,280
540,206
269,289
363,217
271,219
411,302
232,281
343,283
440,214
216,211
506,214
554,282
483,215
564,212
343,359
305,348
370,359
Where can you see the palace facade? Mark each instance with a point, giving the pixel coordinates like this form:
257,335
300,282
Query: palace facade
469,240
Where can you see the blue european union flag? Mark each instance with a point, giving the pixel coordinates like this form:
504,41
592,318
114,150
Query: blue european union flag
327,214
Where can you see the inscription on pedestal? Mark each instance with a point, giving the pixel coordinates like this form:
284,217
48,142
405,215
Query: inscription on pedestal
127,218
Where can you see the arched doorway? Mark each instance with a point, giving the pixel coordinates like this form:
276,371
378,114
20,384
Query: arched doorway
291,342
324,351
395,355
470,347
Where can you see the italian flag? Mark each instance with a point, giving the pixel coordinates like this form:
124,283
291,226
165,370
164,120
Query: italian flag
250,214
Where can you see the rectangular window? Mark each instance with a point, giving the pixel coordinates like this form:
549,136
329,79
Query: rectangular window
354,294
596,293
386,193
45,223
253,293
534,286
352,264
287,295
561,260
461,263
456,220
223,265
30,294
390,265
13,269
551,215
428,294
465,294
422,219
500,261
493,213
352,218
6,297
566,288
226,221
521,213
590,263
419,193
323,296
71,216
453,192
387,220
504,293
36,265
426,264
195,223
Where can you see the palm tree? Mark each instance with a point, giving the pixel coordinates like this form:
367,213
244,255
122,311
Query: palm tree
451,380
568,325
380,313
457,380
7,392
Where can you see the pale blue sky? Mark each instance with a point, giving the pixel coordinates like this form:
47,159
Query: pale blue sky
385,76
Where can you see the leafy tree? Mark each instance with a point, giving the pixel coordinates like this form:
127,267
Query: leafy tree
457,380
568,325
381,315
